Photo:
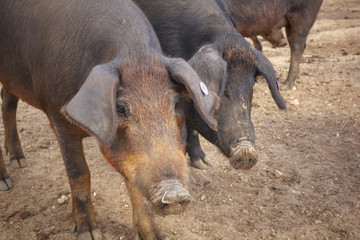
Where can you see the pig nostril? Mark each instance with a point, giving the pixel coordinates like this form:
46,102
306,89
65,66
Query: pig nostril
163,205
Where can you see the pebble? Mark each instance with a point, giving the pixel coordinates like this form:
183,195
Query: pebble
295,102
62,199
318,221
278,173
203,197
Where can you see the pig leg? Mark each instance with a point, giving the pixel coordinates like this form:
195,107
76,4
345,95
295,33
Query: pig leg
257,43
296,32
143,218
276,39
71,147
198,158
12,141
5,181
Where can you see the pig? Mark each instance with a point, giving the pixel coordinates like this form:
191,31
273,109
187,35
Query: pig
276,39
96,68
201,32
252,18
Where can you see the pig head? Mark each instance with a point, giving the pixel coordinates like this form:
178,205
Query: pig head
231,75
140,127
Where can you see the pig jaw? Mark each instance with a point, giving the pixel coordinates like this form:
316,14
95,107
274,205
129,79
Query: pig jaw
161,185
235,138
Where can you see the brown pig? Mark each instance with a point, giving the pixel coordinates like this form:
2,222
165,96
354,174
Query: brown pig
261,17
95,68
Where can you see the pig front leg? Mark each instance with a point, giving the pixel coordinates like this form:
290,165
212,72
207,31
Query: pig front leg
198,158
297,46
143,217
5,181
296,33
79,178
12,141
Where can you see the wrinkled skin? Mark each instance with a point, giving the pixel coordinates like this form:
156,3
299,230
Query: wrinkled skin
253,18
276,39
200,32
115,86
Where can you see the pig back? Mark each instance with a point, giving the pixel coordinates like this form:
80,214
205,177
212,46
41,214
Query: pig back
48,48
184,26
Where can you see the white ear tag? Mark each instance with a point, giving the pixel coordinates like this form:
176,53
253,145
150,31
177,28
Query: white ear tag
204,88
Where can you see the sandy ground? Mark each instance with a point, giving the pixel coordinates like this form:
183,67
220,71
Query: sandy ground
305,186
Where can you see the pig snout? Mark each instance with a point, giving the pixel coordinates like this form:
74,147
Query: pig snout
170,197
243,155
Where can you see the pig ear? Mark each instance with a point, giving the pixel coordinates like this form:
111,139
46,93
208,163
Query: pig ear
267,71
211,68
205,102
93,108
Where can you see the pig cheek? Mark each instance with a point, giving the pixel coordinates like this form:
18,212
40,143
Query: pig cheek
183,135
114,158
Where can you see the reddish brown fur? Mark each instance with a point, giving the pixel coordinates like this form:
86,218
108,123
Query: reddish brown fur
147,143
235,53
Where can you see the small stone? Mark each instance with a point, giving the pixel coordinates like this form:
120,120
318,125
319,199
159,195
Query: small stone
294,102
62,199
278,173
318,221
203,197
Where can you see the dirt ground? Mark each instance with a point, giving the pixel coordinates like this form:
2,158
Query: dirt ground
306,184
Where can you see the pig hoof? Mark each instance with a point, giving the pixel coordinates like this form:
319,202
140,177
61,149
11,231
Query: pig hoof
288,86
201,163
94,235
6,184
18,163
198,164
138,237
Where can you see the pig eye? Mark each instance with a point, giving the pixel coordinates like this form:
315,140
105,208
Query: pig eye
177,104
121,109
226,93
